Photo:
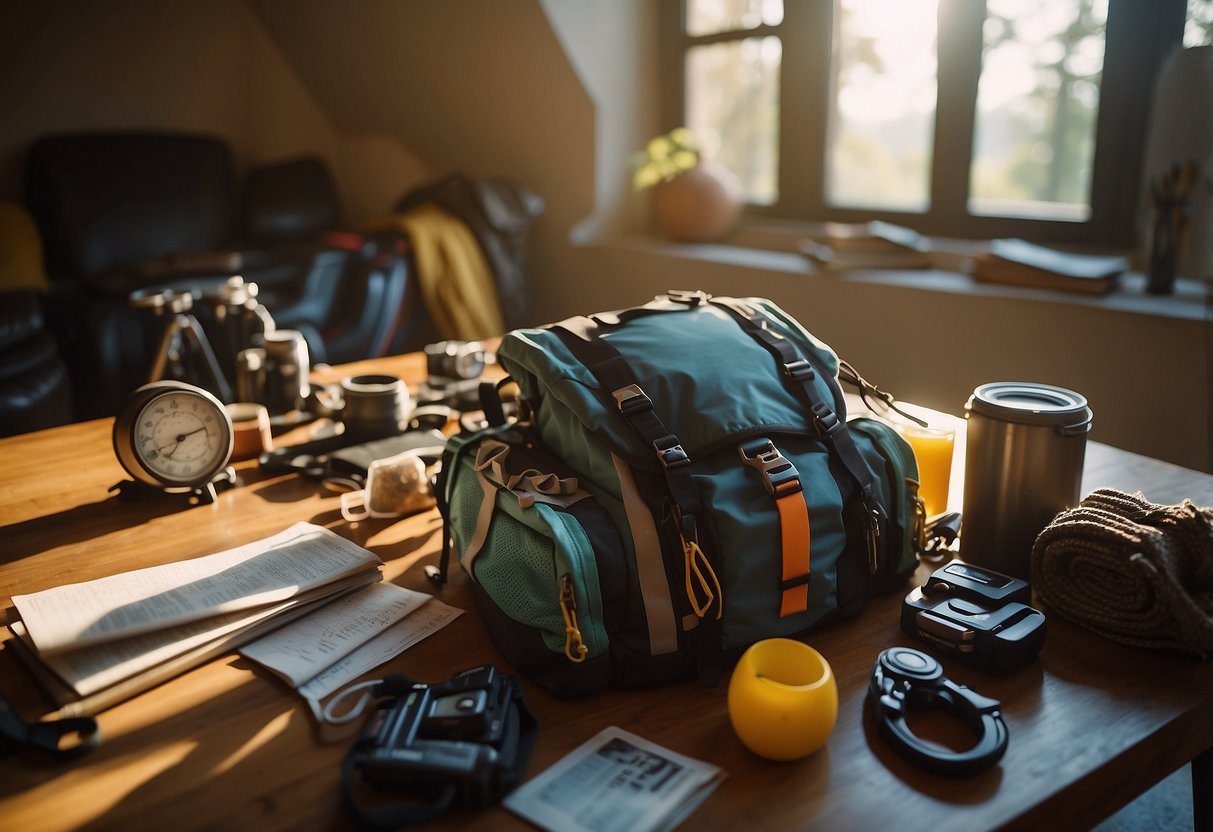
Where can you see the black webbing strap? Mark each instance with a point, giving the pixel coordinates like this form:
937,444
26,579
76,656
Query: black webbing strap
799,374
62,739
615,375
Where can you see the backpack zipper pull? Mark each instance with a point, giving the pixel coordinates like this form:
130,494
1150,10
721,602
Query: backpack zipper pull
871,533
574,649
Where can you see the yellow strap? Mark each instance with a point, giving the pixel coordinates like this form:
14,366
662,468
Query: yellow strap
794,529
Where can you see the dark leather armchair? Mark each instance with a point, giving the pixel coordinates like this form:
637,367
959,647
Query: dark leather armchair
122,212
349,301
34,391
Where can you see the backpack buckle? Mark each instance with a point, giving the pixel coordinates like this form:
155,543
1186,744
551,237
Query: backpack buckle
798,370
631,399
689,297
827,420
670,453
778,474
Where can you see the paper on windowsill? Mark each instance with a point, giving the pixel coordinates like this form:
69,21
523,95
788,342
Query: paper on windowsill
267,571
306,648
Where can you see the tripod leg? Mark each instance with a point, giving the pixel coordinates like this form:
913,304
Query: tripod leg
170,346
210,365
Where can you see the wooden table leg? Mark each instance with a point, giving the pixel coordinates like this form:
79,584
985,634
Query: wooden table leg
1202,791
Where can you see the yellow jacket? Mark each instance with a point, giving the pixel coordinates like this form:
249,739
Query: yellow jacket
456,282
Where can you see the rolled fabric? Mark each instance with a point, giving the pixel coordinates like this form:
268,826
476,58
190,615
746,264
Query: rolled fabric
1131,570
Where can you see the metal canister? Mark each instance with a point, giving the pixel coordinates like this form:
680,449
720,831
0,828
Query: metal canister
287,368
1023,464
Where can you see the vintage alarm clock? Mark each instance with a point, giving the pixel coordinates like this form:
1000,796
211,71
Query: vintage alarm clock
173,437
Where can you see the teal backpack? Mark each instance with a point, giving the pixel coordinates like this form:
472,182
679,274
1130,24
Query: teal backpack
679,481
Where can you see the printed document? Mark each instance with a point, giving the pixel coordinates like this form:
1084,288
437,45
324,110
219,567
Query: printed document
306,648
615,782
268,571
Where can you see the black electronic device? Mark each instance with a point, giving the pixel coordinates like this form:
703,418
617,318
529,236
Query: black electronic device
465,741
982,617
904,679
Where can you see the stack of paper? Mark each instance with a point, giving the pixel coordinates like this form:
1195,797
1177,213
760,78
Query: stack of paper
1020,263
97,643
867,245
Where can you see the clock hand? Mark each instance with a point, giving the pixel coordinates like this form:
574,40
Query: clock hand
177,441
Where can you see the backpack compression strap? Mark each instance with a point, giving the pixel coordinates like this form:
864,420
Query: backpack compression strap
615,375
783,483
799,374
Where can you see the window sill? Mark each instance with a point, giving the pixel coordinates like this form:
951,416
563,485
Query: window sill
1187,302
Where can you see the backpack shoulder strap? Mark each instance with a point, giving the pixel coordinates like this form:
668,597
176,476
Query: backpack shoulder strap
798,374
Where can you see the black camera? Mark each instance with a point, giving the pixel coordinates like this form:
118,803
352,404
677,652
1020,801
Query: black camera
453,371
982,617
464,741
454,361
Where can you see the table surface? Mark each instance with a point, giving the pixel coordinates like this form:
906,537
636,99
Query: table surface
229,746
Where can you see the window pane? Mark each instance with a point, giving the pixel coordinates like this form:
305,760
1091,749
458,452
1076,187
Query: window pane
1199,28
732,94
707,17
1037,101
882,115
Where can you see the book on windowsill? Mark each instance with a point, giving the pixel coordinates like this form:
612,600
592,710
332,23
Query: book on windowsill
871,237
867,245
98,643
824,256
1020,263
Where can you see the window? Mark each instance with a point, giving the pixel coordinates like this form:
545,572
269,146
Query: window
957,117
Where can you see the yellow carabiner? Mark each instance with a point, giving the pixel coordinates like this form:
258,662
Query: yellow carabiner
574,649
695,562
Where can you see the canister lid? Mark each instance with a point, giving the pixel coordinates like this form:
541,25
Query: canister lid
1030,404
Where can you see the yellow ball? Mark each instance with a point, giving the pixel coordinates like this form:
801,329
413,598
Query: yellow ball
783,700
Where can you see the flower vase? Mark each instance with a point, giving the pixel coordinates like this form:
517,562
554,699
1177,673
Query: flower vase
699,205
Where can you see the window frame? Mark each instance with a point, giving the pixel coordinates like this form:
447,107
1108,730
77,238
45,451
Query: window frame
1139,37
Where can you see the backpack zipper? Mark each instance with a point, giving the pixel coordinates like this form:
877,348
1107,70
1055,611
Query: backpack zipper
574,649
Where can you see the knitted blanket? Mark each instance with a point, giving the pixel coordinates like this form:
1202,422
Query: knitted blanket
1130,570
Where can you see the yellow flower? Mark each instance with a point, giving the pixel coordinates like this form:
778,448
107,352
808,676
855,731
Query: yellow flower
665,157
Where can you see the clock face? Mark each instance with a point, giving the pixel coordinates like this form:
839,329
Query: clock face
173,434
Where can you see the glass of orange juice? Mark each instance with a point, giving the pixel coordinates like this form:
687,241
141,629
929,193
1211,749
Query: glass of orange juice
933,448
933,444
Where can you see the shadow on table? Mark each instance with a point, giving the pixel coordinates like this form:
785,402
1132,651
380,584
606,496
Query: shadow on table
79,523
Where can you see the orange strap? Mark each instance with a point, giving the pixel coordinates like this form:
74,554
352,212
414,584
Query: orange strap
794,529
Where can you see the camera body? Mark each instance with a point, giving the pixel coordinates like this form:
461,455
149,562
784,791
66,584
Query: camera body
453,370
448,361
432,736
982,617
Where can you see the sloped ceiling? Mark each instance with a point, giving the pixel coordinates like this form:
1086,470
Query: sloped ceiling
479,86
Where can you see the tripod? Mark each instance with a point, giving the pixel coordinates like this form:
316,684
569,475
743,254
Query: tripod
185,353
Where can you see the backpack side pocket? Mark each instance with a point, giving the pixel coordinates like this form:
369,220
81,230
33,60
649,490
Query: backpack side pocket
891,457
543,557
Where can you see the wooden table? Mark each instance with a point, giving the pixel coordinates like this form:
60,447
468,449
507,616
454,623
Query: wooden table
228,746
